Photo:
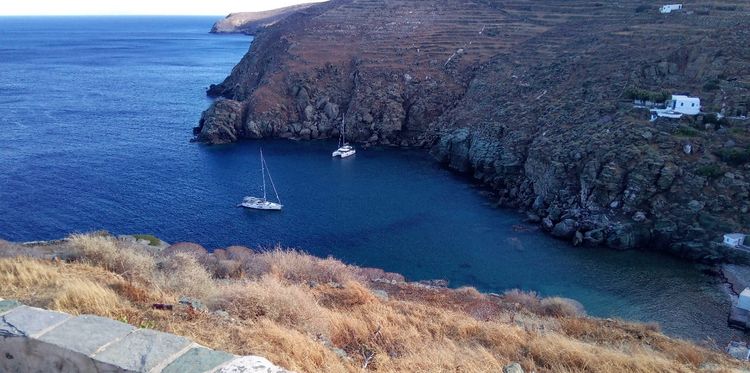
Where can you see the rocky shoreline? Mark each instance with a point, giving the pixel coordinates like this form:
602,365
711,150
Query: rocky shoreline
540,115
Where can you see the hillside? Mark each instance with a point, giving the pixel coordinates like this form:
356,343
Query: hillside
321,315
533,99
252,22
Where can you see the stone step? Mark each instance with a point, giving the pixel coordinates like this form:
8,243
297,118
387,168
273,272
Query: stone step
33,339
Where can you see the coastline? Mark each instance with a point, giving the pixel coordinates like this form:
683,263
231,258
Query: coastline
587,167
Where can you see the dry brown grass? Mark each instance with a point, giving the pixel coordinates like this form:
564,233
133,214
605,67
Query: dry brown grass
297,310
71,288
132,262
297,267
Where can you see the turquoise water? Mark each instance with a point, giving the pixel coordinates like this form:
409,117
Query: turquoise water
95,122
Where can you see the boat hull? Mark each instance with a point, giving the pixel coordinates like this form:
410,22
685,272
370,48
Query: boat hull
343,152
260,204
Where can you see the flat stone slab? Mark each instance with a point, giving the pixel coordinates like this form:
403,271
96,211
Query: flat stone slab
142,350
87,334
251,364
28,321
7,305
198,360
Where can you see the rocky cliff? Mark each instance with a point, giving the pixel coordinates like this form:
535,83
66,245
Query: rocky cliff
533,99
251,22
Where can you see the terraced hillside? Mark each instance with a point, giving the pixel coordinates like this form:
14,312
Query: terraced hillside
533,98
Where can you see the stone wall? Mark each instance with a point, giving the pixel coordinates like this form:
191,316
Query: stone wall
37,340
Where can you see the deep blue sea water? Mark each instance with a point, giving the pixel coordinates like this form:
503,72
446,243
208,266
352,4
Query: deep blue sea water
95,122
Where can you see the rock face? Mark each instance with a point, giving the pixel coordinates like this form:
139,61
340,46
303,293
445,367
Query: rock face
252,22
530,98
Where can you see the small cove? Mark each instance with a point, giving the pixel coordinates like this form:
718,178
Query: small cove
97,113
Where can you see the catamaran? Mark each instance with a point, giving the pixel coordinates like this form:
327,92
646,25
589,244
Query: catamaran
344,149
263,203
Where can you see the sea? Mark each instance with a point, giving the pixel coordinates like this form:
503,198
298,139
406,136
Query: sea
96,117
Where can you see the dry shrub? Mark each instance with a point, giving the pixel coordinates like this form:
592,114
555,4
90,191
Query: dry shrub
86,297
268,298
130,261
181,273
469,291
351,295
560,307
228,269
238,253
369,274
220,254
190,248
527,299
132,292
298,267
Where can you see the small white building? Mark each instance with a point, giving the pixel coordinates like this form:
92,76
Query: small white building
684,105
735,240
743,301
669,8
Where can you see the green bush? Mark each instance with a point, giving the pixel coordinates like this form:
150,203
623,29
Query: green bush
735,155
710,170
687,132
711,85
152,240
633,93
713,118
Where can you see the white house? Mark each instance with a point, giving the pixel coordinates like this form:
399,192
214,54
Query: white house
684,105
669,8
743,301
735,240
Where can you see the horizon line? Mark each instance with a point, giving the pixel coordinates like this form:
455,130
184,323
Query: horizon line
117,15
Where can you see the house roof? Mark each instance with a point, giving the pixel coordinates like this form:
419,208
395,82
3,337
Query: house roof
683,97
734,235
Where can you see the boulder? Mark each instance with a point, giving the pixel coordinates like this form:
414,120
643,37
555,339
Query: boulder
221,123
577,238
594,237
513,368
565,229
547,224
331,110
305,133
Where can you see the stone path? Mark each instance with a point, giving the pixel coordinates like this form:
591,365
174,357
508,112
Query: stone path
37,340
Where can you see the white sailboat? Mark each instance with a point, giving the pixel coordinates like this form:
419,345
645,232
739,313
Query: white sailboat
344,150
263,203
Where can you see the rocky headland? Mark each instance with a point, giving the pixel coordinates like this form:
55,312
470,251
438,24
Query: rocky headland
532,99
251,22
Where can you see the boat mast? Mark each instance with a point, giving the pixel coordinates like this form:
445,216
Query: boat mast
263,172
272,184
